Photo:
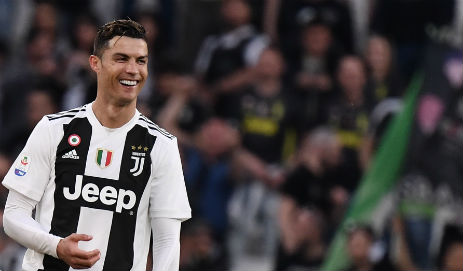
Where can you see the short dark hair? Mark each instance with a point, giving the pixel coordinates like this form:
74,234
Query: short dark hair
128,28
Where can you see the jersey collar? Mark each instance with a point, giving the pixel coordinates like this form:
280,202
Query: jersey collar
96,124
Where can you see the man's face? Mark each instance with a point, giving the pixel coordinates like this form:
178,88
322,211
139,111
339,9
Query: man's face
122,69
359,245
351,75
235,12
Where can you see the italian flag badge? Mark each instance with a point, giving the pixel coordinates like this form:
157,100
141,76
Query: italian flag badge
103,157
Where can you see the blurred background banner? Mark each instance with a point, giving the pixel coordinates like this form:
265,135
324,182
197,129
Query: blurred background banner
379,179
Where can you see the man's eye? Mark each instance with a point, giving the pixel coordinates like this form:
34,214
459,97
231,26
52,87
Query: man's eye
142,61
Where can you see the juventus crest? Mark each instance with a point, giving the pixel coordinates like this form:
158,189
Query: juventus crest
139,158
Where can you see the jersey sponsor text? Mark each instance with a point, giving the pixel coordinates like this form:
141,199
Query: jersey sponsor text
108,195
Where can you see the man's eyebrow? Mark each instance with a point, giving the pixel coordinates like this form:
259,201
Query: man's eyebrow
125,55
120,54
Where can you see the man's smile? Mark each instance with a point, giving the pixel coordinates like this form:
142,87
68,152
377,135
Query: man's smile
128,83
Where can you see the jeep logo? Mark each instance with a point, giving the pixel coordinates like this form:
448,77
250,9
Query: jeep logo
124,199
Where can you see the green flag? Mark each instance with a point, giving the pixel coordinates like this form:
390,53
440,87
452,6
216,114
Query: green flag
379,178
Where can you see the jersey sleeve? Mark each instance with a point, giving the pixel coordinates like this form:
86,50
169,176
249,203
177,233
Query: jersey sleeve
168,196
30,172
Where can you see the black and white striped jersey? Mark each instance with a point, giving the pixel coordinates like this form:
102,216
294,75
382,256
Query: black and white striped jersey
104,182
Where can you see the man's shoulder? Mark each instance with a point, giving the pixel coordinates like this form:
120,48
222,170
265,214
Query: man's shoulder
66,115
153,128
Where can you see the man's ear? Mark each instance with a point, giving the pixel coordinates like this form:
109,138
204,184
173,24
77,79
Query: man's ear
94,61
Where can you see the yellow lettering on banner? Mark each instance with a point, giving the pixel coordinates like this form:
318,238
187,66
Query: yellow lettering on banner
262,126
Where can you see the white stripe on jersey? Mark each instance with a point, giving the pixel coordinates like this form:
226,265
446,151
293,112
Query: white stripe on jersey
99,228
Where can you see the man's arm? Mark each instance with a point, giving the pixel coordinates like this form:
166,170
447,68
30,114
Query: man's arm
19,225
166,243
169,204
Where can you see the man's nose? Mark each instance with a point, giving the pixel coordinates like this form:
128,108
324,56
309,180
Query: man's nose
131,67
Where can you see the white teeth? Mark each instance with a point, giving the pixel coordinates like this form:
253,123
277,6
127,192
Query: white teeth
128,82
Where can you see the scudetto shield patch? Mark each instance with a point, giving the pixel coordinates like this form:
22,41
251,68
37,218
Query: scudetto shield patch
103,157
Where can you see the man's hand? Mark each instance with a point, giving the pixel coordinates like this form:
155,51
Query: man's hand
69,251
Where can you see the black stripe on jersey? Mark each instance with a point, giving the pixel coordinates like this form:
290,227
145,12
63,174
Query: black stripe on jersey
143,117
68,112
63,116
66,213
154,126
75,110
119,255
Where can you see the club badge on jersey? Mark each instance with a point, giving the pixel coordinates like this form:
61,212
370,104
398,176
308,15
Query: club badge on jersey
22,166
139,158
103,157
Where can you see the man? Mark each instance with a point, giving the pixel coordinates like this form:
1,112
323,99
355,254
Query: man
360,244
101,175
311,202
226,62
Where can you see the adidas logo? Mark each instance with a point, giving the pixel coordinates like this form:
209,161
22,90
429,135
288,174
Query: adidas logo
71,155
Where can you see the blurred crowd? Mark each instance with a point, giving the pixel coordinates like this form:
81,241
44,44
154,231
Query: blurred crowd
279,108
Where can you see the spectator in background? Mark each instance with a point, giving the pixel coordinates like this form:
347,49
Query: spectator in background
46,22
381,65
295,14
348,113
311,205
312,71
208,173
199,250
310,248
206,144
264,117
226,61
46,18
386,91
364,252
78,73
175,102
39,64
39,102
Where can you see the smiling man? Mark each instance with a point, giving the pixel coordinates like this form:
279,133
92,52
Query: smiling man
101,177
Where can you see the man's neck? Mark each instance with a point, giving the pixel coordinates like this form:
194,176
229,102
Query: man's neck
112,115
